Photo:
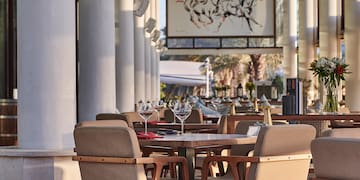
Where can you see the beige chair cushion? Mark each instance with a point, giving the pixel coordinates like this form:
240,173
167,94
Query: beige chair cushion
103,123
109,142
282,140
342,132
336,158
196,116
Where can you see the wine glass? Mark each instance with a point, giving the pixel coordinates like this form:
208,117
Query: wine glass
145,110
182,110
171,105
158,105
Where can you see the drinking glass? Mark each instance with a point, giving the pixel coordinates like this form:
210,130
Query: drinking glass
182,110
145,110
158,105
171,105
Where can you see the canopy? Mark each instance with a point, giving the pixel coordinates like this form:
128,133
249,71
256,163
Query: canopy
182,73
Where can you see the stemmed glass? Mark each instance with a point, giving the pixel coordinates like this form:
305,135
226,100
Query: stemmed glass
182,110
171,104
158,105
145,110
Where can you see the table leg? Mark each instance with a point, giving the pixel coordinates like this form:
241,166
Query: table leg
189,154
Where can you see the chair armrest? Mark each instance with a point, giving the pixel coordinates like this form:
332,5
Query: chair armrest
158,161
233,162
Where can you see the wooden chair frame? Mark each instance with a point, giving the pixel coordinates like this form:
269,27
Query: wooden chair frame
234,161
159,163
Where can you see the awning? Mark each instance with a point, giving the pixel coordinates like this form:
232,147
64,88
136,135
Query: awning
182,73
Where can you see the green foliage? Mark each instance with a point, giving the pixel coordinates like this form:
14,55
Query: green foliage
278,83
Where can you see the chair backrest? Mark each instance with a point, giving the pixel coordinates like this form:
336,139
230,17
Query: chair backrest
104,141
222,125
113,116
103,123
282,140
336,158
133,117
342,133
196,116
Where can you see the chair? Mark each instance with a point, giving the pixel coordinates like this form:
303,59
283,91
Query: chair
112,116
342,123
134,117
342,133
281,152
336,158
109,153
103,123
196,116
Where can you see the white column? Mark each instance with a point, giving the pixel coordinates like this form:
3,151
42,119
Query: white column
46,74
307,49
328,41
97,59
153,54
125,91
352,56
157,15
290,29
148,58
139,59
328,15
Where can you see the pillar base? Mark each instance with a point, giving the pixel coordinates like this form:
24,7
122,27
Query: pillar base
27,164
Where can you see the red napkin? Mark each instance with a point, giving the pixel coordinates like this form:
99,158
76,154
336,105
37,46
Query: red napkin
156,122
149,135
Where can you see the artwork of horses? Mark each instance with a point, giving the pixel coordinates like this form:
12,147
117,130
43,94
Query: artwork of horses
197,18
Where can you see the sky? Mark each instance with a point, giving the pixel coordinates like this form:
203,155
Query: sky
162,13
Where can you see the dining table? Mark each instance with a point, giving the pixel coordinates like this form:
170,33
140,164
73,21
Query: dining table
188,127
187,143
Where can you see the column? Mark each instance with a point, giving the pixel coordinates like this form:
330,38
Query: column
328,40
153,54
139,59
47,93
46,74
307,49
97,59
328,15
157,13
352,56
148,58
290,31
125,90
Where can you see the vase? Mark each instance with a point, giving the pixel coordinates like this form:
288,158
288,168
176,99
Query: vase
331,104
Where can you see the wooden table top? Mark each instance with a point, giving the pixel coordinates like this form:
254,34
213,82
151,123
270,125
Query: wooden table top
197,140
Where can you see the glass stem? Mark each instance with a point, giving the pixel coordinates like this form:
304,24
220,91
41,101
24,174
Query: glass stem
182,127
174,120
146,127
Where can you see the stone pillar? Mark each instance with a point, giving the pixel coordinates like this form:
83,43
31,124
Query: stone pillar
307,49
158,54
290,31
97,59
153,54
148,58
328,40
47,93
352,56
47,76
139,59
125,90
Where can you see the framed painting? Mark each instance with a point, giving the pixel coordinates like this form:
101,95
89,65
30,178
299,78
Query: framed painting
220,18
